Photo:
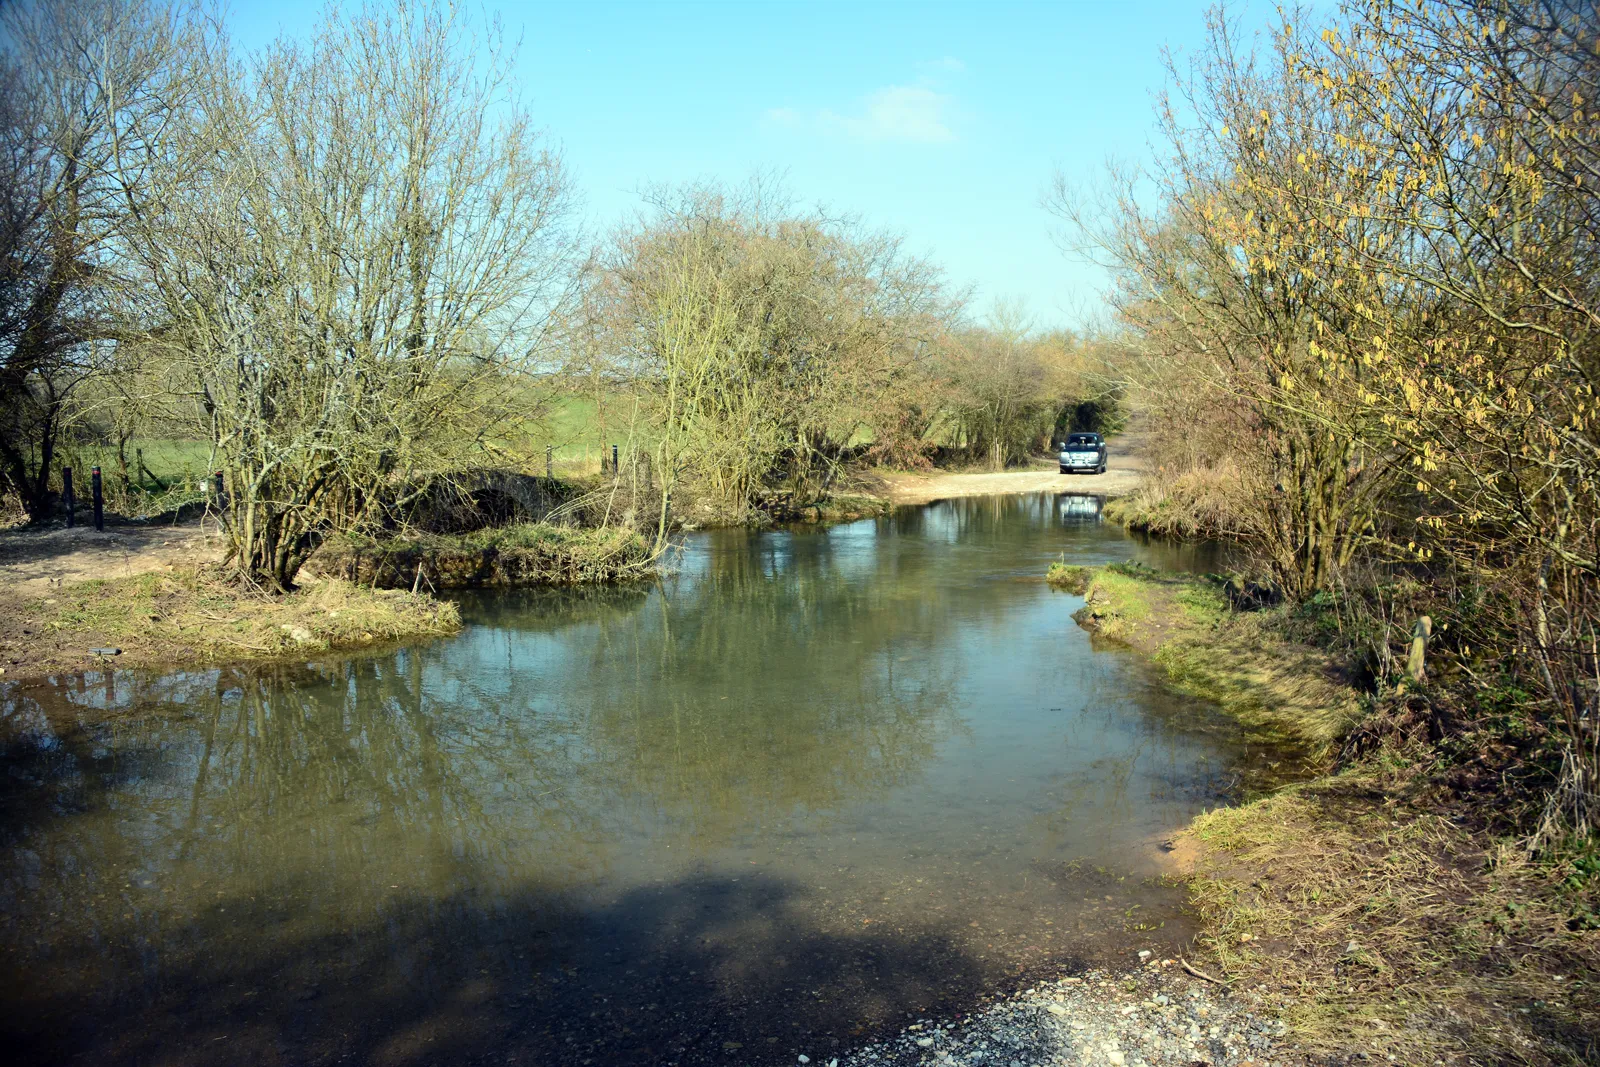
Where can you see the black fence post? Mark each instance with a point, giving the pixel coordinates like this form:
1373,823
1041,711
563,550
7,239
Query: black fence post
549,462
615,468
99,499
67,497
222,494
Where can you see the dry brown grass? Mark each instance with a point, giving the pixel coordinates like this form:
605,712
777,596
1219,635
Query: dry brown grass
1371,907
1386,927
186,616
1204,502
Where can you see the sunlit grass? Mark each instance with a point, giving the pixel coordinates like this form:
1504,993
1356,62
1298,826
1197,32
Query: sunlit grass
184,615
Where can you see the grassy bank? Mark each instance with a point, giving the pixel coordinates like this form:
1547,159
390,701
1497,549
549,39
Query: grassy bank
1208,502
1387,925
1382,908
185,617
1281,689
526,554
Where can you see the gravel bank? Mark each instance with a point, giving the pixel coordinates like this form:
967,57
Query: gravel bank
1159,1016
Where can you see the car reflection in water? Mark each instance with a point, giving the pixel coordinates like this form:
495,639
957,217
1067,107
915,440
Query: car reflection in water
1078,509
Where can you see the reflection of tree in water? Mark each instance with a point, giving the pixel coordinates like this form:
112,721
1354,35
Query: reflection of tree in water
304,796
237,825
761,682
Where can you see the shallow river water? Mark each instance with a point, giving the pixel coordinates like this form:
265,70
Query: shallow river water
813,783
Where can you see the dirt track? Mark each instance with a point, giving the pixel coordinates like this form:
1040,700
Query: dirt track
33,562
1124,470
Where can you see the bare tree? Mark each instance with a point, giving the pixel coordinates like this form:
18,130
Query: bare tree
1009,385
765,339
87,90
1224,276
363,237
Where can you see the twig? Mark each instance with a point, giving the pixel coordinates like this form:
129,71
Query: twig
256,648
1198,973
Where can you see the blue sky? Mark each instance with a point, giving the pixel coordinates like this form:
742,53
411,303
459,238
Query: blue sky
942,122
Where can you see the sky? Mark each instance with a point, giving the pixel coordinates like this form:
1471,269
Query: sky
942,122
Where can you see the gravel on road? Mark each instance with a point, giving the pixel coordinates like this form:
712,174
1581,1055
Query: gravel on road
1158,1016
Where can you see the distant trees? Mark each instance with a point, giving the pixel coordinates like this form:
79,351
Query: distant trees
764,340
1010,390
342,263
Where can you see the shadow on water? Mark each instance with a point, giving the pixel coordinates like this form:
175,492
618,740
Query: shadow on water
813,782
455,978
376,884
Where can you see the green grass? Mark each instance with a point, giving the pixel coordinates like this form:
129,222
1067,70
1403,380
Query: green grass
1069,578
577,429
1129,599
1242,662
173,469
168,459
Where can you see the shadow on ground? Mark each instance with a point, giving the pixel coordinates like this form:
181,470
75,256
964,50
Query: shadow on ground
520,980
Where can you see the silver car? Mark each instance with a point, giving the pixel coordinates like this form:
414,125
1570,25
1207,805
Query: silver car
1083,453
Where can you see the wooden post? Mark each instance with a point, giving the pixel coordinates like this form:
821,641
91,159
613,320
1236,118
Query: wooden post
1416,662
66,495
99,500
138,465
615,468
222,494
549,462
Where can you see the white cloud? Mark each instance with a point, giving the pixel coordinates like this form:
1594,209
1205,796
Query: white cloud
898,113
907,113
784,116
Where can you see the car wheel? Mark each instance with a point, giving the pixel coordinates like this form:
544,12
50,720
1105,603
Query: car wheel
1065,471
1102,469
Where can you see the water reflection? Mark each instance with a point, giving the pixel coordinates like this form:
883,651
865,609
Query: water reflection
811,781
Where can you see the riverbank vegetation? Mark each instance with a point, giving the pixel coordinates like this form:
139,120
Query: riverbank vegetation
1248,663
188,616
524,554
1389,924
1361,314
1391,903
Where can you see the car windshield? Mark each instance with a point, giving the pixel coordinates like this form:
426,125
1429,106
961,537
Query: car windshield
1088,439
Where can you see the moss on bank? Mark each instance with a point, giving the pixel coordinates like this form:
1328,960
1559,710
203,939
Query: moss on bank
1069,578
184,616
525,554
1281,689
